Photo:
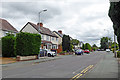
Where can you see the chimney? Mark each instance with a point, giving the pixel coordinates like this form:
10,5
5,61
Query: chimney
41,24
60,31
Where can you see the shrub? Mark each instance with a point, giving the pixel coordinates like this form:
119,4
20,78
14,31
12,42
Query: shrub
118,54
8,48
27,44
62,52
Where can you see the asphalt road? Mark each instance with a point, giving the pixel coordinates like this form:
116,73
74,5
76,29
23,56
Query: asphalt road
65,67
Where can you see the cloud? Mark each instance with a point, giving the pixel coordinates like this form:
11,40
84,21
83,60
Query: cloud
84,20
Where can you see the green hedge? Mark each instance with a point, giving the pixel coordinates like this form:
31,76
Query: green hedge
8,48
27,44
118,54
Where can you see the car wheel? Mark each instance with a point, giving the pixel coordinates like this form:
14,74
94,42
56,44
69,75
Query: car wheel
49,55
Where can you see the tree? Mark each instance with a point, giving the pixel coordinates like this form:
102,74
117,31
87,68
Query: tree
75,42
104,43
114,14
66,43
83,46
88,46
112,46
94,45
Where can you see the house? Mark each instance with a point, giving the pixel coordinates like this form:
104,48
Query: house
49,39
6,27
60,36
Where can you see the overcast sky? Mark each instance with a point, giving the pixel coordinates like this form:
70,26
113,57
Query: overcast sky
84,20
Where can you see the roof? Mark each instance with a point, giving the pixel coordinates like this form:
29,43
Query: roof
61,35
5,25
43,29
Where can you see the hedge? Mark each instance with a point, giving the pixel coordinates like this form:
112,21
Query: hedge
27,44
8,46
118,54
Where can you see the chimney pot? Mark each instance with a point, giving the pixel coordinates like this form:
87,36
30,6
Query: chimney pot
40,24
60,31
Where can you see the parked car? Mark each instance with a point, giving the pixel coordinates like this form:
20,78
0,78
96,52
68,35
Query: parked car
79,52
50,53
86,51
42,53
98,50
107,50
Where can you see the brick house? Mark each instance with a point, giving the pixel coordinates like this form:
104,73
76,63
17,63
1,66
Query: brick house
49,39
60,36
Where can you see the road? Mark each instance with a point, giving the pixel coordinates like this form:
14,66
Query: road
66,67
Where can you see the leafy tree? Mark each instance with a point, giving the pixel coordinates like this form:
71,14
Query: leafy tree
83,46
66,43
112,46
75,42
114,14
88,46
104,43
94,45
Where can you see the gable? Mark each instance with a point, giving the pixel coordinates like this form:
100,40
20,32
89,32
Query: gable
29,28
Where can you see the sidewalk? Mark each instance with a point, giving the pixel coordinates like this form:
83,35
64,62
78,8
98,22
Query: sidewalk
7,60
106,68
42,59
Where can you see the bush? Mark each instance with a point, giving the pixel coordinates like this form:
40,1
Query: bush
118,54
27,44
8,48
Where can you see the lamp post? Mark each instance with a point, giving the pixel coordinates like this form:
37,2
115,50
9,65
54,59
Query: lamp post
108,36
39,21
39,17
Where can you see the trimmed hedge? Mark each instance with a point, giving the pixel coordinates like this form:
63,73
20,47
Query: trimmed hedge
27,44
8,48
118,54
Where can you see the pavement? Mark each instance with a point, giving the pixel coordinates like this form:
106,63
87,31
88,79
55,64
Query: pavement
106,68
7,60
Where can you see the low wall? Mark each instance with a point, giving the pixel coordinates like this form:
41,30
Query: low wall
25,58
68,53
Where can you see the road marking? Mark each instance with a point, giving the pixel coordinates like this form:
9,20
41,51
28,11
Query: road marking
78,76
82,72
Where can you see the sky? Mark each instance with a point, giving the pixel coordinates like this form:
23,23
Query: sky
85,20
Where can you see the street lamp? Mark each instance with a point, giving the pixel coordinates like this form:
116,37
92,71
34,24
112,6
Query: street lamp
39,21
115,54
108,36
39,17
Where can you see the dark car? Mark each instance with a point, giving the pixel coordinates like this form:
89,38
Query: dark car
79,52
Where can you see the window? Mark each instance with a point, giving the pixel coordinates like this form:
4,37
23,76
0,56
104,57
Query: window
56,39
42,37
54,46
53,38
47,38
5,33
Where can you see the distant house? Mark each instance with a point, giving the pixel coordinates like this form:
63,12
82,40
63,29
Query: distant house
49,39
60,36
6,27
